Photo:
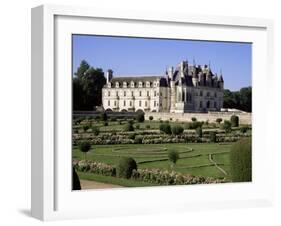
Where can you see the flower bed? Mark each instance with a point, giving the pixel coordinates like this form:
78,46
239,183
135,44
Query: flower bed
155,176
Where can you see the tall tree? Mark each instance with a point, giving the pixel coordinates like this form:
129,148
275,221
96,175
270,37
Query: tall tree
87,87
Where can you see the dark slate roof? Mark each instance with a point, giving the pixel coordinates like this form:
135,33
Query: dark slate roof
136,80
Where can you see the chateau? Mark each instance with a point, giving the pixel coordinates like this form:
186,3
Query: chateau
185,88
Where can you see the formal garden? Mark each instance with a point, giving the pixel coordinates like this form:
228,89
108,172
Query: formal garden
133,152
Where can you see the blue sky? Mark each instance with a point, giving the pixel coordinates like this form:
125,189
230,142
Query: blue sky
141,56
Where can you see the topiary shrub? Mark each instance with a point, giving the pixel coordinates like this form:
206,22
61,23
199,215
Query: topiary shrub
84,147
128,127
95,130
193,119
75,180
241,160
199,131
166,128
226,126
137,126
173,157
150,118
140,117
177,129
125,167
234,119
213,136
219,120
105,124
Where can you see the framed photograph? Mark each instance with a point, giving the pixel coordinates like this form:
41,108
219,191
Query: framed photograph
138,112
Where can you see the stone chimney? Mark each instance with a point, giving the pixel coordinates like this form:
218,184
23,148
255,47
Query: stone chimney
109,75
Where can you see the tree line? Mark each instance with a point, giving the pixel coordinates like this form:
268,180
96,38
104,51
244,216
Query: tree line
241,99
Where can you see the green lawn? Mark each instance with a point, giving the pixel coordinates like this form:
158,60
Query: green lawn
194,158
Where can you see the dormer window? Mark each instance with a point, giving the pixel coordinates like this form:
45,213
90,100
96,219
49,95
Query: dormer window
140,84
125,84
117,84
155,84
147,84
132,84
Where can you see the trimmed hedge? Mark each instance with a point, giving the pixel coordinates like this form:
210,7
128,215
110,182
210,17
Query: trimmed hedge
126,166
234,119
165,127
177,129
241,160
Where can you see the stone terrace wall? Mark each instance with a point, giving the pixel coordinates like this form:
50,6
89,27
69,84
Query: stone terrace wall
244,118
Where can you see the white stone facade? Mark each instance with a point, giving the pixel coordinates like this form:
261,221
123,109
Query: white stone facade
188,88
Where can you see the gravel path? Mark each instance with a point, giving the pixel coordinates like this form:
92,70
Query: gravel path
216,165
89,184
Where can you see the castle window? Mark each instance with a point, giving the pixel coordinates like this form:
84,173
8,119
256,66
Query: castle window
132,84
154,84
201,93
146,103
147,84
140,84
108,103
160,94
147,93
117,84
140,103
215,94
154,103
124,103
117,93
115,103
215,104
108,93
208,94
208,104
140,93
132,93
130,103
201,105
155,93
124,93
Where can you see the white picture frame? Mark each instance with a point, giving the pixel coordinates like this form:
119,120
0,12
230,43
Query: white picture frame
52,197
